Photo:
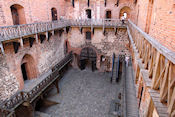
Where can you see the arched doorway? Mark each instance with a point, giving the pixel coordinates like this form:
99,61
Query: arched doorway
28,67
125,11
88,58
54,14
18,14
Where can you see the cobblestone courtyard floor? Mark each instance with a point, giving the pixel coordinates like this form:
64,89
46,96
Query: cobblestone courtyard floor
83,94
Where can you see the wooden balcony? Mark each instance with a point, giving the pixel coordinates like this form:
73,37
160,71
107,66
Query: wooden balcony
155,65
19,31
34,90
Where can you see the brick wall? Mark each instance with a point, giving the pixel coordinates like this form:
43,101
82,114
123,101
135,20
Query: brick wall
98,8
162,20
104,45
35,10
45,56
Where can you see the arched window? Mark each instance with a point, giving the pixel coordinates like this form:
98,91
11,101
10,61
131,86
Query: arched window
88,13
18,14
28,68
54,14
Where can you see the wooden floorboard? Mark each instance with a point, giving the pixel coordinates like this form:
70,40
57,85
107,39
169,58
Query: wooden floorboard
131,100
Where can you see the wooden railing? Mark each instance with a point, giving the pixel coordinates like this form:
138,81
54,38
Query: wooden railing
156,67
18,31
98,22
8,107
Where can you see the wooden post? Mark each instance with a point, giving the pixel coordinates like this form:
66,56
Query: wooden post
21,42
36,37
2,48
47,35
53,32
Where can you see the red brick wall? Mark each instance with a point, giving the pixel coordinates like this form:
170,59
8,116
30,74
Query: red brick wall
98,8
162,21
45,55
35,10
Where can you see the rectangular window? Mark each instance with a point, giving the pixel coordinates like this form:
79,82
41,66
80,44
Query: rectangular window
88,35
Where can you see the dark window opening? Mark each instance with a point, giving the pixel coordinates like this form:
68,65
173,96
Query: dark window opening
42,38
73,3
54,14
66,47
49,35
88,35
16,47
88,3
105,3
31,41
108,14
88,13
24,73
117,3
60,32
18,14
15,15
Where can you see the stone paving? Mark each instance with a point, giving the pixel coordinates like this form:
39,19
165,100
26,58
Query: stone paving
83,94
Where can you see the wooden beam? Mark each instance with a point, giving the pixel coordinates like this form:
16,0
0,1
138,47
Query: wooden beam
173,114
171,106
156,71
157,84
164,85
170,79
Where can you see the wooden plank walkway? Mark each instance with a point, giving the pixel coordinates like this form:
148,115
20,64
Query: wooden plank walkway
131,100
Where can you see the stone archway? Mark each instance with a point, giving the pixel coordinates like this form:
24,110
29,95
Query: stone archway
28,68
125,11
18,14
88,56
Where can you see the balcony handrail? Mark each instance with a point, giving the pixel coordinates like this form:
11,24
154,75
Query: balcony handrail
18,31
169,54
18,98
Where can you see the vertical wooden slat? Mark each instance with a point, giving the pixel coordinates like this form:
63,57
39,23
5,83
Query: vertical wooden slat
156,71
164,85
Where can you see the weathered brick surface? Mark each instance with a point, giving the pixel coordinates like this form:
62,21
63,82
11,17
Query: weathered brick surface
98,8
104,45
8,82
162,20
45,55
35,10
